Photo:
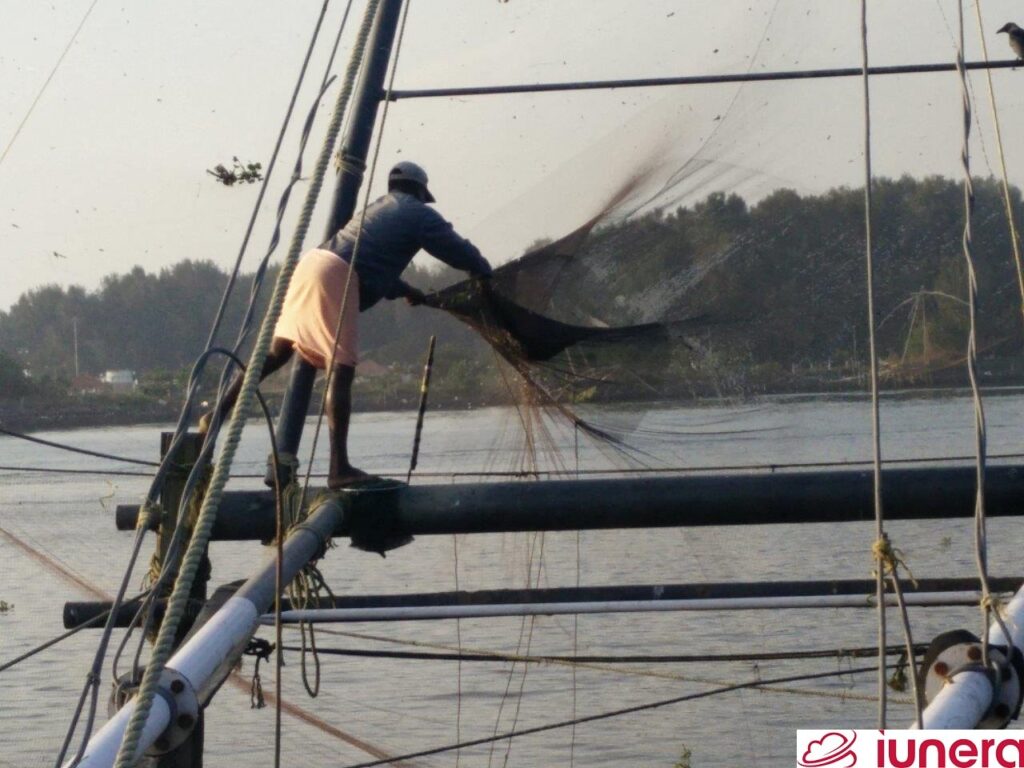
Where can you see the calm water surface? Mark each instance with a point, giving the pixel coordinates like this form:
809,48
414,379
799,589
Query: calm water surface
400,706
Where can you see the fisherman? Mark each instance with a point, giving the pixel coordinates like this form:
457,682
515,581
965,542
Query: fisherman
1016,35
389,233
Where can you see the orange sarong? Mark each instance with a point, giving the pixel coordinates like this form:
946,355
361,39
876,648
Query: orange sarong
312,306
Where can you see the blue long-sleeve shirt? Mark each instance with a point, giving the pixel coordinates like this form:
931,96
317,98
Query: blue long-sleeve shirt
394,229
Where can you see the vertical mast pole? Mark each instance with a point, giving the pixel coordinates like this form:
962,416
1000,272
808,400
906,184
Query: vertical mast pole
354,149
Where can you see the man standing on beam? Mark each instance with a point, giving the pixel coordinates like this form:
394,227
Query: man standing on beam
381,242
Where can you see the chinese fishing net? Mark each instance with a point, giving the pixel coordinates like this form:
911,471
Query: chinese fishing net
723,252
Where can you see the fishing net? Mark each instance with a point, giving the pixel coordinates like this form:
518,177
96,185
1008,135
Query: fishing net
725,258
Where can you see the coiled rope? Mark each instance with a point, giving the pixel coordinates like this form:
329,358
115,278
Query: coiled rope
201,535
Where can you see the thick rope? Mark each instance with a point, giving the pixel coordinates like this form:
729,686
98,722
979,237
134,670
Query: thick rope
194,378
176,605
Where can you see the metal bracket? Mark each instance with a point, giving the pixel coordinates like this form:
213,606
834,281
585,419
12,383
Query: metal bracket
177,691
960,651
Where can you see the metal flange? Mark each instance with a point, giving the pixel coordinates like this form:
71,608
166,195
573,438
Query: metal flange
177,691
961,651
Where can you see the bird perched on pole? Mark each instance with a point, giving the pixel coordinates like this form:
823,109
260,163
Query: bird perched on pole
1016,38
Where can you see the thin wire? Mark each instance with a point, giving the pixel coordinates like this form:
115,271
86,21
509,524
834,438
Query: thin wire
980,534
90,622
458,642
529,645
875,426
1007,199
523,632
583,472
74,449
575,632
614,669
90,690
614,713
46,83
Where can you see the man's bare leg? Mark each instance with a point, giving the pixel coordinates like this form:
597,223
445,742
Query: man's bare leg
339,415
281,351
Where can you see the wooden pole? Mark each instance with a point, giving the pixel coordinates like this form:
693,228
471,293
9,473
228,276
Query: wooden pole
428,367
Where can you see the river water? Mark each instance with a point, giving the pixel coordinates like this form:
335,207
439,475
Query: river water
398,706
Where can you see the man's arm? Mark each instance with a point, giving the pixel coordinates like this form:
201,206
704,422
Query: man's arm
402,289
439,238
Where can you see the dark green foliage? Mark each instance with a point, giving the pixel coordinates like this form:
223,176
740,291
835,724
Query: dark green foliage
782,280
13,382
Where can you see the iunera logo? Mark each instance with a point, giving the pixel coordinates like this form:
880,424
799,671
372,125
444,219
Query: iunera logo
908,749
834,749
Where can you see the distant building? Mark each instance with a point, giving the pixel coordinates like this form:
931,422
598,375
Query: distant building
119,381
87,383
371,369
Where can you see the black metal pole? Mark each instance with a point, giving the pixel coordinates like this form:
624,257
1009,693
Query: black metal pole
655,82
663,502
367,97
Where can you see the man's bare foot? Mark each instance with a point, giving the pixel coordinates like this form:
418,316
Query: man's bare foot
346,476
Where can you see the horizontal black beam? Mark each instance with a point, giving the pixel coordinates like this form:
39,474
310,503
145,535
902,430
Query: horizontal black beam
833,496
77,612
655,82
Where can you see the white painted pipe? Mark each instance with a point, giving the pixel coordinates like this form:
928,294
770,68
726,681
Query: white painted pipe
217,641
420,613
213,649
1013,618
103,746
961,704
965,700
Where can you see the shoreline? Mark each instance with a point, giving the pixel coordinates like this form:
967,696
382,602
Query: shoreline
83,412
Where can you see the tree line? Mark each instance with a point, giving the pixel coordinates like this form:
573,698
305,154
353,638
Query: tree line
782,279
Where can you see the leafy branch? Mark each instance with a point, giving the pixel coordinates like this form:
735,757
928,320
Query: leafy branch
249,173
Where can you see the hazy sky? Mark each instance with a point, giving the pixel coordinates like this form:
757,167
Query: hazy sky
109,169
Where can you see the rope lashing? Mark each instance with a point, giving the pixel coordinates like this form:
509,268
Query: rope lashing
992,603
261,649
891,559
150,513
346,163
